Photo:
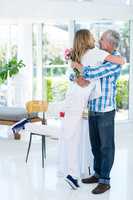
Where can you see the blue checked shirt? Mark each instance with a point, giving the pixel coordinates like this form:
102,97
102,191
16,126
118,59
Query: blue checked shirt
108,73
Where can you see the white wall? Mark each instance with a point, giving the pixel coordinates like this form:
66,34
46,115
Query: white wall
40,10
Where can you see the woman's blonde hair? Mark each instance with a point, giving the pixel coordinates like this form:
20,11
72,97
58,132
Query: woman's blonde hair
83,40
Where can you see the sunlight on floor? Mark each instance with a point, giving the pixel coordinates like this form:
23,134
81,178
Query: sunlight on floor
19,180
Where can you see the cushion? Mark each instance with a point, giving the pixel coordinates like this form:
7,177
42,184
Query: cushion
14,113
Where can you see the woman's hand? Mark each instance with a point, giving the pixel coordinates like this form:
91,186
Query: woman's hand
82,82
77,66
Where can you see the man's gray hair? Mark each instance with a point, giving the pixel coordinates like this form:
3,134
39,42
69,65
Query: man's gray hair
113,37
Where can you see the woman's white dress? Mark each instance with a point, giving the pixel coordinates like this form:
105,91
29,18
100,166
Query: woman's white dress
74,145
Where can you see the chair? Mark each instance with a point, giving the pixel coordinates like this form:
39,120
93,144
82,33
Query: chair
37,129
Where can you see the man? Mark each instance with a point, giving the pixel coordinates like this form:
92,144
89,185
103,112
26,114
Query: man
102,113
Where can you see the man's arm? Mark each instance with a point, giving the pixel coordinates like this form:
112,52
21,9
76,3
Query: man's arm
115,59
89,72
102,71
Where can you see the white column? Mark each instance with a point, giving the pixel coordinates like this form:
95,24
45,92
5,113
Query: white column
44,83
131,73
10,90
23,80
71,30
39,84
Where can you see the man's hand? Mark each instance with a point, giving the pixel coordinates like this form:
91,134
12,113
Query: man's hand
77,66
82,82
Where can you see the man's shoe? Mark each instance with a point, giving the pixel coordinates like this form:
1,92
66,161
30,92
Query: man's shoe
90,180
72,182
101,188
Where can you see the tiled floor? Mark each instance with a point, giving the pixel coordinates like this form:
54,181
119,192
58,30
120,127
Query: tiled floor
21,181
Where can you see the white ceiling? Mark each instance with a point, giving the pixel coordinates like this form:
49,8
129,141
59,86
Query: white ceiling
107,2
65,9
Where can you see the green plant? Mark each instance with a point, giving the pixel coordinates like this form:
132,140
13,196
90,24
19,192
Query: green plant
56,89
122,94
59,88
10,68
56,60
48,82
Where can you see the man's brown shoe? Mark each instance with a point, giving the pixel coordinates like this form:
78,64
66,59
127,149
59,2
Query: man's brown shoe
90,180
101,188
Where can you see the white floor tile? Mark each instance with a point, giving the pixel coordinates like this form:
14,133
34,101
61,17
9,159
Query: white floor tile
21,181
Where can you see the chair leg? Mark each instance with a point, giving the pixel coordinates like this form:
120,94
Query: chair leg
29,147
42,153
44,145
89,170
43,150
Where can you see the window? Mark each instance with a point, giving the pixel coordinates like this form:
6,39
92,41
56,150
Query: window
53,41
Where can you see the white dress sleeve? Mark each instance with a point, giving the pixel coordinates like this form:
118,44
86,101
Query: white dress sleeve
95,57
101,55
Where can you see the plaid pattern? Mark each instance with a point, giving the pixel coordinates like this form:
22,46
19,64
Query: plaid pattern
108,74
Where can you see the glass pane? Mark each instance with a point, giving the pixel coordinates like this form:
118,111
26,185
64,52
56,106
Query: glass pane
97,28
55,40
13,40
8,49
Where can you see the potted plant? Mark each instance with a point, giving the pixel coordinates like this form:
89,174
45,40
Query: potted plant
10,68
